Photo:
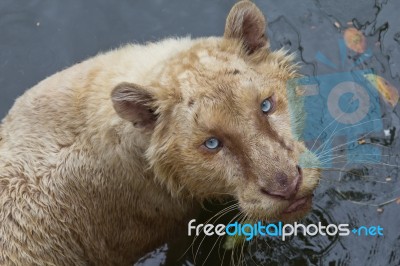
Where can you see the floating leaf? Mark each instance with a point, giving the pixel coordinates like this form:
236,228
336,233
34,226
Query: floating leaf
232,242
355,40
386,89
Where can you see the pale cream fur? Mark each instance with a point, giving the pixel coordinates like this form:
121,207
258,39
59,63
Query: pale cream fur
79,185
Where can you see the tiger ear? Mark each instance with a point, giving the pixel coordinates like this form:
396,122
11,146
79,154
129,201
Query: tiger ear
134,103
247,23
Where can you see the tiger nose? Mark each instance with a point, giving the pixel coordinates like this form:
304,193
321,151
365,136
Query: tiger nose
285,189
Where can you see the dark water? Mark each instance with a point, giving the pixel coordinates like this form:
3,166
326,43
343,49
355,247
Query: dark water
38,38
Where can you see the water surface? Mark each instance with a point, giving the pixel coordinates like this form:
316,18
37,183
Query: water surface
41,37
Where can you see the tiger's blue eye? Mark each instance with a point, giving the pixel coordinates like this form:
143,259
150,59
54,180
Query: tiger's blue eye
266,105
212,143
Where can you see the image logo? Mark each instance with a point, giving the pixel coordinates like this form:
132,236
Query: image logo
334,113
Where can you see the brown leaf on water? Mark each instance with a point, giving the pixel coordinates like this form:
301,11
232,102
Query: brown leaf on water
361,141
355,40
387,90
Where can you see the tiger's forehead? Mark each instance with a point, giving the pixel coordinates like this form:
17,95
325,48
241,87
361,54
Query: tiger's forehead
225,85
218,81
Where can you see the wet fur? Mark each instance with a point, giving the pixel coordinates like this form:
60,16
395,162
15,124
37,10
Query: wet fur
103,162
